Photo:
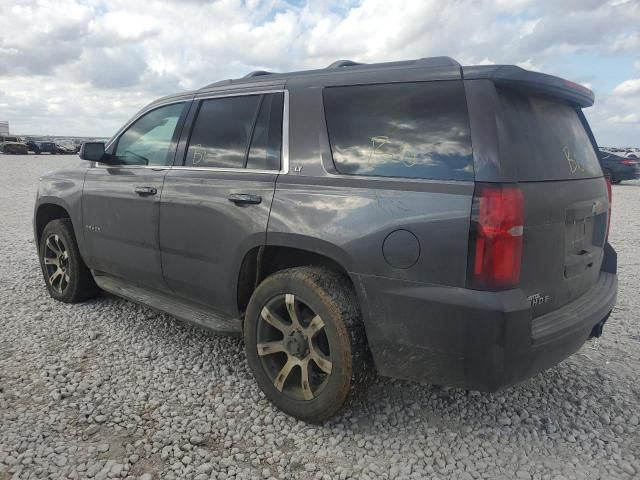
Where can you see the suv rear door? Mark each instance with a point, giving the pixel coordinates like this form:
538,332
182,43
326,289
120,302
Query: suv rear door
548,145
216,199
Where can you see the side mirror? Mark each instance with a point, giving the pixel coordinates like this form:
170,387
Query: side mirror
92,151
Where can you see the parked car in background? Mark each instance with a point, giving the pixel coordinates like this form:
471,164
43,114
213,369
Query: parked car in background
619,167
48,147
340,220
14,148
65,150
33,147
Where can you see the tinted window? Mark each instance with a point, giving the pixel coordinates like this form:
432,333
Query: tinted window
148,141
264,153
417,130
546,137
224,127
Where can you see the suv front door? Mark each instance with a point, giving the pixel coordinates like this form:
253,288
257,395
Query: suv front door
120,201
216,200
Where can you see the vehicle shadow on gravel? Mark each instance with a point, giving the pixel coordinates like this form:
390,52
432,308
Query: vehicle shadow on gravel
564,402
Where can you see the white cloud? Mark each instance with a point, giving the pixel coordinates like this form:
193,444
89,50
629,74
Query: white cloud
630,118
628,87
83,66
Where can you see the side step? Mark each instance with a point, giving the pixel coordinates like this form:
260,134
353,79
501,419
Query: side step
184,310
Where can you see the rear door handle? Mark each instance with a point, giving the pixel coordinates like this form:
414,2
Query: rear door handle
146,190
245,199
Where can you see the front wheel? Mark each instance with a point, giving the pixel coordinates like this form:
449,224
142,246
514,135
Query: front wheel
67,277
305,342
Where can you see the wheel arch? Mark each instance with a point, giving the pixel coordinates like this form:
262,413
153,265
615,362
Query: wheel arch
45,213
261,261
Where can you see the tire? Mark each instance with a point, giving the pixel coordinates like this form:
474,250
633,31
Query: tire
337,338
67,277
616,182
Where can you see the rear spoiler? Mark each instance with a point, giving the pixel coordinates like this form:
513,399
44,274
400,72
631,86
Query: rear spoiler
516,78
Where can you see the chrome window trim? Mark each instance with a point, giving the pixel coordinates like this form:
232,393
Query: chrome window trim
284,148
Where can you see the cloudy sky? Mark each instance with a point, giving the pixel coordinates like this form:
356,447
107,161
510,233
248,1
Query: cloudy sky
82,67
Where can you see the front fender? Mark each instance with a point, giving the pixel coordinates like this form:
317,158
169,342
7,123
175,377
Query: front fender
64,189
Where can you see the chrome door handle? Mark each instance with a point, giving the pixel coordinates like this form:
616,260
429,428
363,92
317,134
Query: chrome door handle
245,199
146,190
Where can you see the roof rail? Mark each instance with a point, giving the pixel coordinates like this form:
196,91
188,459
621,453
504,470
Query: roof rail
437,62
343,63
219,83
257,73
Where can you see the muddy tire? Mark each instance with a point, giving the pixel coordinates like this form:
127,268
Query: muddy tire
67,277
305,342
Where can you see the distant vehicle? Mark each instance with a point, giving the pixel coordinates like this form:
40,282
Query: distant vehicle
62,150
618,167
33,147
14,148
48,147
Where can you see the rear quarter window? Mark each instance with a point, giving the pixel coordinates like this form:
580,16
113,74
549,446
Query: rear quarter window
545,138
412,130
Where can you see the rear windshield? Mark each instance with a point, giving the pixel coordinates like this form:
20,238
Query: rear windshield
414,130
546,138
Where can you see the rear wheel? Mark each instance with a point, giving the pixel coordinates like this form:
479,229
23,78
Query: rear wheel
67,277
305,342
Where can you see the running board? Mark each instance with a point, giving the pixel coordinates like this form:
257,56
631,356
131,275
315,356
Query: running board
184,310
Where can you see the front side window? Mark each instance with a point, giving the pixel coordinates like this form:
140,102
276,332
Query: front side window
149,140
413,130
237,132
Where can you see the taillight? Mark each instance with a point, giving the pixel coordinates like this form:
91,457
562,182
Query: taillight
495,241
607,179
629,162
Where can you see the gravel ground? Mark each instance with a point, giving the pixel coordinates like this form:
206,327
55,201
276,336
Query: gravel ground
109,389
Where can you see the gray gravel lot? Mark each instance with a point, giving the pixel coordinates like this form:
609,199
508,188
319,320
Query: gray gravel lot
109,389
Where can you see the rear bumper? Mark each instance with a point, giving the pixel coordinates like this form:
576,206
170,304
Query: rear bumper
471,339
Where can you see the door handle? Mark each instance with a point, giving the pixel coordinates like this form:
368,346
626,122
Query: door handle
146,190
245,199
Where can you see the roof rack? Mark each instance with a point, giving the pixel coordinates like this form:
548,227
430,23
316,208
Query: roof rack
219,83
437,62
257,73
343,63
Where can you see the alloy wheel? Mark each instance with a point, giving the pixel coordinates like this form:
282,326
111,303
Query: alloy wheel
56,263
293,347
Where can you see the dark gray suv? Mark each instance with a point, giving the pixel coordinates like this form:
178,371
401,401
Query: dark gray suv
418,219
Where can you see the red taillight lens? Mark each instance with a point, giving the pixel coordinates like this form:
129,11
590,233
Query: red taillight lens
629,162
495,244
607,179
